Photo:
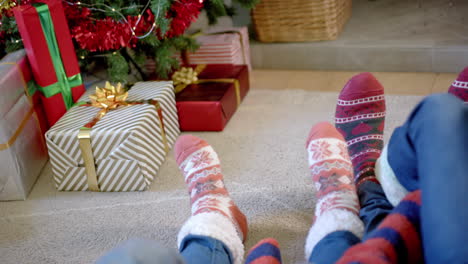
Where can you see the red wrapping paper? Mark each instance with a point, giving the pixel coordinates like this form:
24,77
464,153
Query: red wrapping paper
39,56
36,97
210,106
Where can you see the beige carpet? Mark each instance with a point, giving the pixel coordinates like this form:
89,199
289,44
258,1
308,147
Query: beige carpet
264,162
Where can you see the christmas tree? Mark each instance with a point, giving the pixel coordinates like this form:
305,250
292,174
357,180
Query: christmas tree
125,34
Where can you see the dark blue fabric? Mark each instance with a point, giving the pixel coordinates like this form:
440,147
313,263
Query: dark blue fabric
411,211
430,152
392,236
204,250
332,247
374,205
264,250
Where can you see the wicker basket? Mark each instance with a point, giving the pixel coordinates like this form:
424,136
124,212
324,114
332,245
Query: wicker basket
300,20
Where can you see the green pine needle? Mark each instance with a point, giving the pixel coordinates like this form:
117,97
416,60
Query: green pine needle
117,68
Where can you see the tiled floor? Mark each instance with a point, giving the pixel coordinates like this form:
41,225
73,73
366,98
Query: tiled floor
394,82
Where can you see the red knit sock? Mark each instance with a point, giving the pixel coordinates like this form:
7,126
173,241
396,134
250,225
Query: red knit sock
360,118
266,251
337,205
202,171
331,169
459,87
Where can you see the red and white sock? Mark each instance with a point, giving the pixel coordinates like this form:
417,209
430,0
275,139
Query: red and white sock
214,213
360,118
459,87
337,205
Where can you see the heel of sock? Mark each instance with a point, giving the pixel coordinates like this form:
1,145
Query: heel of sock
331,221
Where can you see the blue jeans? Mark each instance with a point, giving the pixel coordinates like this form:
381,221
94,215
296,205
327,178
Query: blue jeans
193,250
429,152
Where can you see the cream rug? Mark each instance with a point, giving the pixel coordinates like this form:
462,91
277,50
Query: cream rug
263,156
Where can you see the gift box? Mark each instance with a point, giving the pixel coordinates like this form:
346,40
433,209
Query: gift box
209,102
47,40
121,150
222,46
22,147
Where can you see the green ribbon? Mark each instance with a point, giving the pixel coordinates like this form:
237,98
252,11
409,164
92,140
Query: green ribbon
32,87
64,83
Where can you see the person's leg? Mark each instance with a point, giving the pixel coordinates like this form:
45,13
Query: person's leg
360,118
140,251
429,152
333,246
337,205
204,249
217,228
459,87
264,252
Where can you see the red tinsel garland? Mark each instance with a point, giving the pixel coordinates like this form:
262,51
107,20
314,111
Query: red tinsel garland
108,34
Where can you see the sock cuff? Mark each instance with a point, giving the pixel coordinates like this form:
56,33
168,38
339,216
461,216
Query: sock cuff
393,189
216,226
331,221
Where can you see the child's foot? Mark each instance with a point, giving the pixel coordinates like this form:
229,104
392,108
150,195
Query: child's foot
337,205
214,213
264,252
360,118
459,87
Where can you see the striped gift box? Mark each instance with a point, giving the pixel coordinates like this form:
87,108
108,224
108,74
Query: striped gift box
127,143
219,48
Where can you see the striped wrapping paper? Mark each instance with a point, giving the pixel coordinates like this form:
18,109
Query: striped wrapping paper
222,49
127,143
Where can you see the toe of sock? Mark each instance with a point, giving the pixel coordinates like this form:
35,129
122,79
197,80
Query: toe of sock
361,85
323,130
463,75
186,145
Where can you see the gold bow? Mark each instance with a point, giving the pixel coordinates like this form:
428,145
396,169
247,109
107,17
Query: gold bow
108,98
187,76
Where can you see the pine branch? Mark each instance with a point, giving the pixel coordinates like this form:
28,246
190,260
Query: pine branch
248,3
117,68
160,9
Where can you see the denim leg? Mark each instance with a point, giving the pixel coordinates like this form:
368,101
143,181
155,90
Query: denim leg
141,251
332,247
430,152
204,250
374,205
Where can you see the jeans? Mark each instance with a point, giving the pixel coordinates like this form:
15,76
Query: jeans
194,250
429,152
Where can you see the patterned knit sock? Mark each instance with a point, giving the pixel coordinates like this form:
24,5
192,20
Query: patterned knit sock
459,87
214,213
396,240
337,205
264,252
360,118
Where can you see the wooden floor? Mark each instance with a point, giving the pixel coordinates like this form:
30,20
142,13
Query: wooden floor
329,81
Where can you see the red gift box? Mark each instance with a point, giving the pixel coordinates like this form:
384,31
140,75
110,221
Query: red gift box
50,51
208,106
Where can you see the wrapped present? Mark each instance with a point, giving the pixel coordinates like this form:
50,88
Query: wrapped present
209,95
222,46
115,143
22,126
46,37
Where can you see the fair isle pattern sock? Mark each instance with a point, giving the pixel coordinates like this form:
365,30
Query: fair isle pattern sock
266,251
459,87
214,213
360,118
337,205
